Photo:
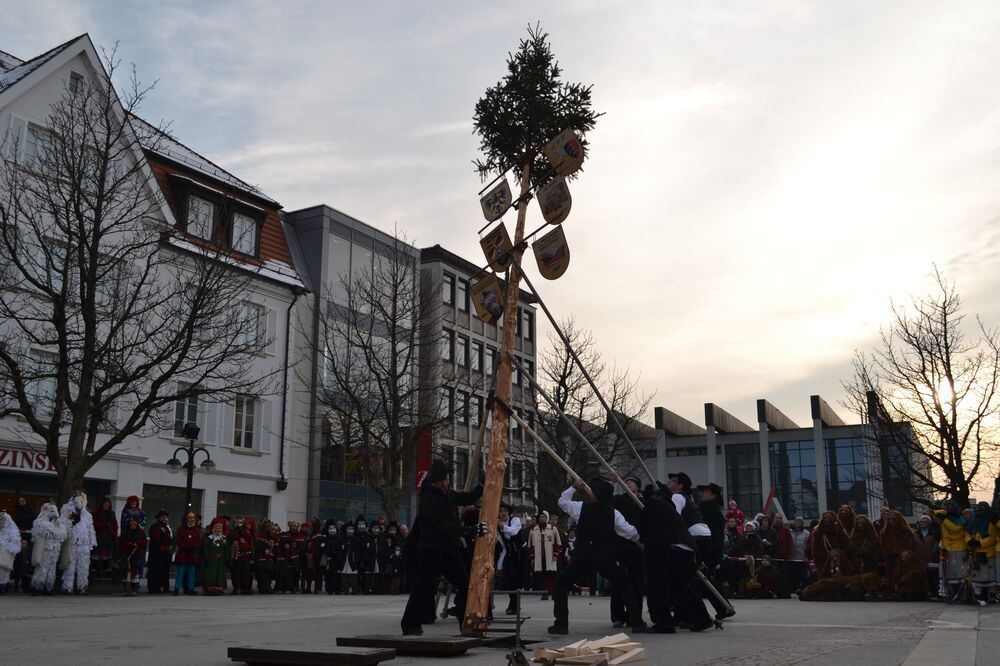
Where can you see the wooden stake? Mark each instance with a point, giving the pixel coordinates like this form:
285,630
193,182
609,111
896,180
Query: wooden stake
481,576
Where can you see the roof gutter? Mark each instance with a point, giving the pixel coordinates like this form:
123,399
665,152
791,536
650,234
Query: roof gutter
283,481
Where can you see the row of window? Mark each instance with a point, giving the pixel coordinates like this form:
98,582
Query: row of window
246,418
467,409
475,355
514,477
455,293
204,217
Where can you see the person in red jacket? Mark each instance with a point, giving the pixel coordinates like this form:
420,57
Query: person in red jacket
186,559
783,548
131,546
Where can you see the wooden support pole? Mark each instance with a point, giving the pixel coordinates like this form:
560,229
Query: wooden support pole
481,576
473,471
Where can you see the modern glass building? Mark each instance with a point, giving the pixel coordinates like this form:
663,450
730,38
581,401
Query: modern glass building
810,469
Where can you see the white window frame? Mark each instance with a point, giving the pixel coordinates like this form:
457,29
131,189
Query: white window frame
184,408
244,237
244,428
200,221
255,314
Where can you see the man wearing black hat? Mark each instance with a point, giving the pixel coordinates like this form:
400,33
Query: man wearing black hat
711,512
670,564
161,548
510,547
629,554
597,524
438,548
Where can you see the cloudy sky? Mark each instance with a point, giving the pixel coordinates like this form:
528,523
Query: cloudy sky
766,178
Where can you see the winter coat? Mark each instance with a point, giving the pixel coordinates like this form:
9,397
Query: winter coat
188,545
161,539
24,516
800,545
545,548
783,548
953,535
437,516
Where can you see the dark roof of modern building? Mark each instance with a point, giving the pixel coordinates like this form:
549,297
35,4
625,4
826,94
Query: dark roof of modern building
14,69
438,253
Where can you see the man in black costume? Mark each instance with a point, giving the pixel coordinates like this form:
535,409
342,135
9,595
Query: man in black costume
629,554
438,548
598,523
670,564
711,513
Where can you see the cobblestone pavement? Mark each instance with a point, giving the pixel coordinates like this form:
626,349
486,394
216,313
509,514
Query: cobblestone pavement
154,630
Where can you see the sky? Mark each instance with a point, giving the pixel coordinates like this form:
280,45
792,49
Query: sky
766,178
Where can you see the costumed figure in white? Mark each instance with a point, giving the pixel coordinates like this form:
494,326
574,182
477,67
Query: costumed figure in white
80,540
10,545
47,535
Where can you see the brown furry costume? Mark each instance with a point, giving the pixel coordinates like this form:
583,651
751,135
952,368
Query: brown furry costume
837,564
864,545
829,535
910,583
847,517
896,537
865,587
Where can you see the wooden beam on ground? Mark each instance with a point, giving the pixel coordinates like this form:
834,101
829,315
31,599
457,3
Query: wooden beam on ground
326,657
414,646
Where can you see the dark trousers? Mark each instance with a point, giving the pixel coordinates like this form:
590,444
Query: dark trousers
582,568
630,557
669,584
241,576
158,577
511,579
431,564
704,546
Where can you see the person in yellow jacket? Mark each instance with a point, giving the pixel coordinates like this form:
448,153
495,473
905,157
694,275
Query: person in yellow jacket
982,544
954,541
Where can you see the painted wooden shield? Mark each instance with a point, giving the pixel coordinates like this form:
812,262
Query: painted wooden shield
487,297
496,202
497,246
565,152
554,200
552,254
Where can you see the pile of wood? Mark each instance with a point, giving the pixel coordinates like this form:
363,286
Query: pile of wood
617,649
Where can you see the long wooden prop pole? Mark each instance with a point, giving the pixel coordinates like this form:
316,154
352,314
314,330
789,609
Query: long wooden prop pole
590,380
473,472
481,575
576,431
548,449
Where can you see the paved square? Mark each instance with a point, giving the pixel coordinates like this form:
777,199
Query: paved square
154,630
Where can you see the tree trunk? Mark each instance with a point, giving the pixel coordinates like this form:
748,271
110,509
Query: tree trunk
481,577
70,480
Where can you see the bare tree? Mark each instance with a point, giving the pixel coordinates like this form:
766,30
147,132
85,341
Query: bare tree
381,379
100,315
930,393
562,379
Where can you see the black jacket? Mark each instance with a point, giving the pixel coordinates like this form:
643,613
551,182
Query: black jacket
437,517
661,526
24,516
711,514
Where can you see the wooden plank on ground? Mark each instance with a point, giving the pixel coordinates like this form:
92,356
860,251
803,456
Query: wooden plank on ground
608,640
415,646
618,650
638,654
585,659
545,653
573,649
328,656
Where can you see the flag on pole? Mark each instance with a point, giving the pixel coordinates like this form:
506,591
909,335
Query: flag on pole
565,152
487,297
552,254
555,200
772,497
497,246
496,202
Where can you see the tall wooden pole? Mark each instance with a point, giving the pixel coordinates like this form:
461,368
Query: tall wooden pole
481,577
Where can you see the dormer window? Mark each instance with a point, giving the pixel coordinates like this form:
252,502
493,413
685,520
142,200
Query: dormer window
201,216
244,236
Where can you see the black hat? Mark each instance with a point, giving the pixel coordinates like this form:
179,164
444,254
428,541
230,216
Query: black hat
603,491
681,478
633,480
439,471
163,512
714,487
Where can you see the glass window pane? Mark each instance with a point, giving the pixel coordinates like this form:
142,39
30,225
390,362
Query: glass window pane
339,269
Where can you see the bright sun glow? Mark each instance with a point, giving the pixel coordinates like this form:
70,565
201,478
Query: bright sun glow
945,391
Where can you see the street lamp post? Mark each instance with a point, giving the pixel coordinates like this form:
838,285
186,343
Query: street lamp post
174,465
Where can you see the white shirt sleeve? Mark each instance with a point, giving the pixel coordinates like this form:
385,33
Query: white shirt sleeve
679,502
513,528
625,529
568,506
